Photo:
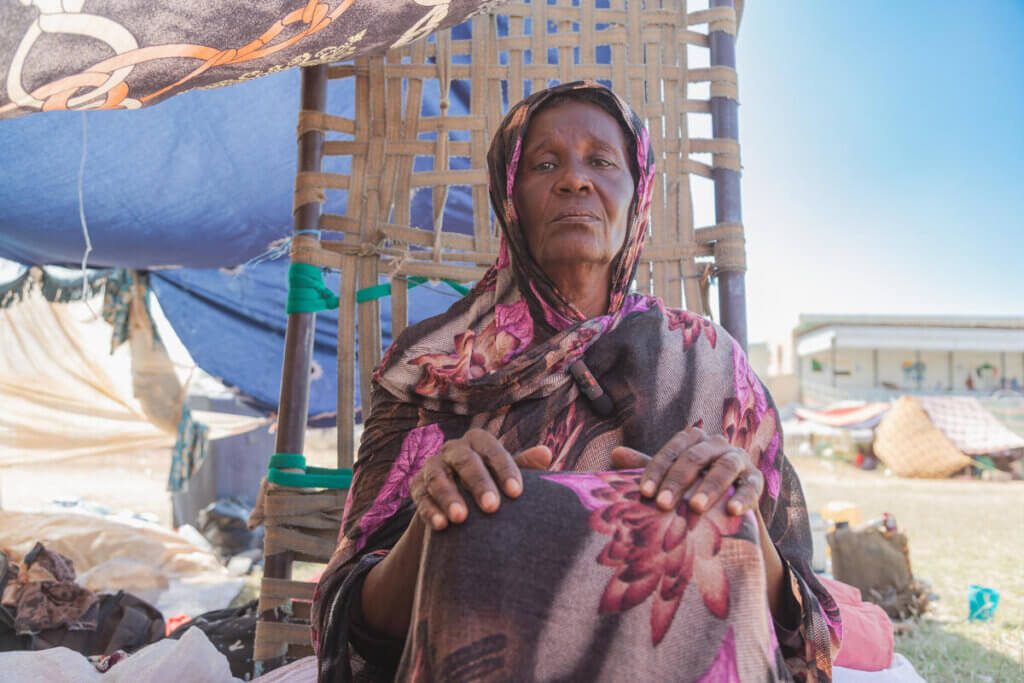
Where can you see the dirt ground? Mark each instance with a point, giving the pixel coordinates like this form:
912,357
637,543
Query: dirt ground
961,532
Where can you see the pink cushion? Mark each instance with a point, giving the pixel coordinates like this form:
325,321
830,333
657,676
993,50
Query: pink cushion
867,631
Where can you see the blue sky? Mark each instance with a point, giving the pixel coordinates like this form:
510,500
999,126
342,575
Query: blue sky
883,155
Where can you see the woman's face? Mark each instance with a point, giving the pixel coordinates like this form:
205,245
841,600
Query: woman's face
573,187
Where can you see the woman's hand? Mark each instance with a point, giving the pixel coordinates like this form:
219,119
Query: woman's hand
677,468
478,461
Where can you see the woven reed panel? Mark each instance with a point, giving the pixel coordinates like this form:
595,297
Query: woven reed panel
396,150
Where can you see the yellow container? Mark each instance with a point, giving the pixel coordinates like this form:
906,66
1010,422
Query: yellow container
842,511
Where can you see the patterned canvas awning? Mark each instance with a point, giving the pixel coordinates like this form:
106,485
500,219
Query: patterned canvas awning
74,54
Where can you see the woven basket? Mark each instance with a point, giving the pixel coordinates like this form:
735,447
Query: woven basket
912,446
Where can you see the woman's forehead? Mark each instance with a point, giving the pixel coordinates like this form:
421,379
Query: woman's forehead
573,121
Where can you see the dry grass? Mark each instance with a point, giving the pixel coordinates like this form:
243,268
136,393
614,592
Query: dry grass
960,532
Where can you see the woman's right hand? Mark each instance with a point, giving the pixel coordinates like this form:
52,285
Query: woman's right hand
479,462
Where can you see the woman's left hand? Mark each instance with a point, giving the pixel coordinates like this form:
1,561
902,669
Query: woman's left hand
676,470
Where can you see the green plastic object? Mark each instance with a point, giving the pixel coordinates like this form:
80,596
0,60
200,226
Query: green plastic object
307,292
310,477
982,602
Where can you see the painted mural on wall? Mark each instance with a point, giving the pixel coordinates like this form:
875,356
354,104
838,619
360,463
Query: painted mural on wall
126,54
914,371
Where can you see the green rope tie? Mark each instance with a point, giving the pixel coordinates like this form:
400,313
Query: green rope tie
307,292
310,477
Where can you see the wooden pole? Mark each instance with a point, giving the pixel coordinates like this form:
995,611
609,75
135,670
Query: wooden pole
724,116
293,405
732,298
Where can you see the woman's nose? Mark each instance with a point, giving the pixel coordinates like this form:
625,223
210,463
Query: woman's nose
574,178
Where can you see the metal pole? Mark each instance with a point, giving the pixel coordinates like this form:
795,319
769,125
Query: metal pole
732,298
293,405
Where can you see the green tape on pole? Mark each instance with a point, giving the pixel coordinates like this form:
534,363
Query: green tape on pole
307,292
310,477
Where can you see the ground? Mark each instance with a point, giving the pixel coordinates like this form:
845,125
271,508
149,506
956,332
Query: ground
960,532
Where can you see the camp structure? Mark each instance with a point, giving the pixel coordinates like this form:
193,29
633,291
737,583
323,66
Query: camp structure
396,107
935,437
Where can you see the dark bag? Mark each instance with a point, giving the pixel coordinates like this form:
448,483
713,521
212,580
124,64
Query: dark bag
232,631
876,560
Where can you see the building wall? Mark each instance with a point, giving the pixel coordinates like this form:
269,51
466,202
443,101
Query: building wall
926,371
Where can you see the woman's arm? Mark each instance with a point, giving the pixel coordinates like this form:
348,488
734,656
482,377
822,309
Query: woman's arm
389,587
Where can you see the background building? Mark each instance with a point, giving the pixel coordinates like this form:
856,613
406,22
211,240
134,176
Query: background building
874,357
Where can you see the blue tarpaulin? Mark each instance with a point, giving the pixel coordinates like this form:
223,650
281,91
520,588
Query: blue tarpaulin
201,183
233,326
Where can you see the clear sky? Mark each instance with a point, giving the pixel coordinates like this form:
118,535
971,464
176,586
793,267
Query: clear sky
883,158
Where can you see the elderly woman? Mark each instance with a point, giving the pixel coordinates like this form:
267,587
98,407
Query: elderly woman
561,480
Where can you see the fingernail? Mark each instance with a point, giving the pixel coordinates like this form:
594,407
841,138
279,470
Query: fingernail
665,498
437,520
456,511
699,501
647,488
513,487
489,500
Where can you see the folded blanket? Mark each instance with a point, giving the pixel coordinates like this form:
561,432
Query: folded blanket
868,639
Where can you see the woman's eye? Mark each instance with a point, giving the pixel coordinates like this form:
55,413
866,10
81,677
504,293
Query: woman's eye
544,166
603,163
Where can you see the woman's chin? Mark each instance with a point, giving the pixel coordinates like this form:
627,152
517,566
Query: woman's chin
576,250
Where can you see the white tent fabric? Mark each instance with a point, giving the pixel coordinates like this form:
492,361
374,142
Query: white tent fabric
64,395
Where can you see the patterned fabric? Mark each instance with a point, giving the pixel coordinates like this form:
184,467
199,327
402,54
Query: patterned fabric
44,594
189,451
117,301
969,425
135,53
580,554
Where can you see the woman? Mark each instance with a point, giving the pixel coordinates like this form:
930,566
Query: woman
560,480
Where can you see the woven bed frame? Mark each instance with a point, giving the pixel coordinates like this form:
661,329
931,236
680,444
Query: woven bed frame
649,67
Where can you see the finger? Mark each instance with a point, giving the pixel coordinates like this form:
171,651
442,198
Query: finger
625,458
497,459
681,455
725,468
534,458
475,477
425,506
439,482
428,511
747,494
